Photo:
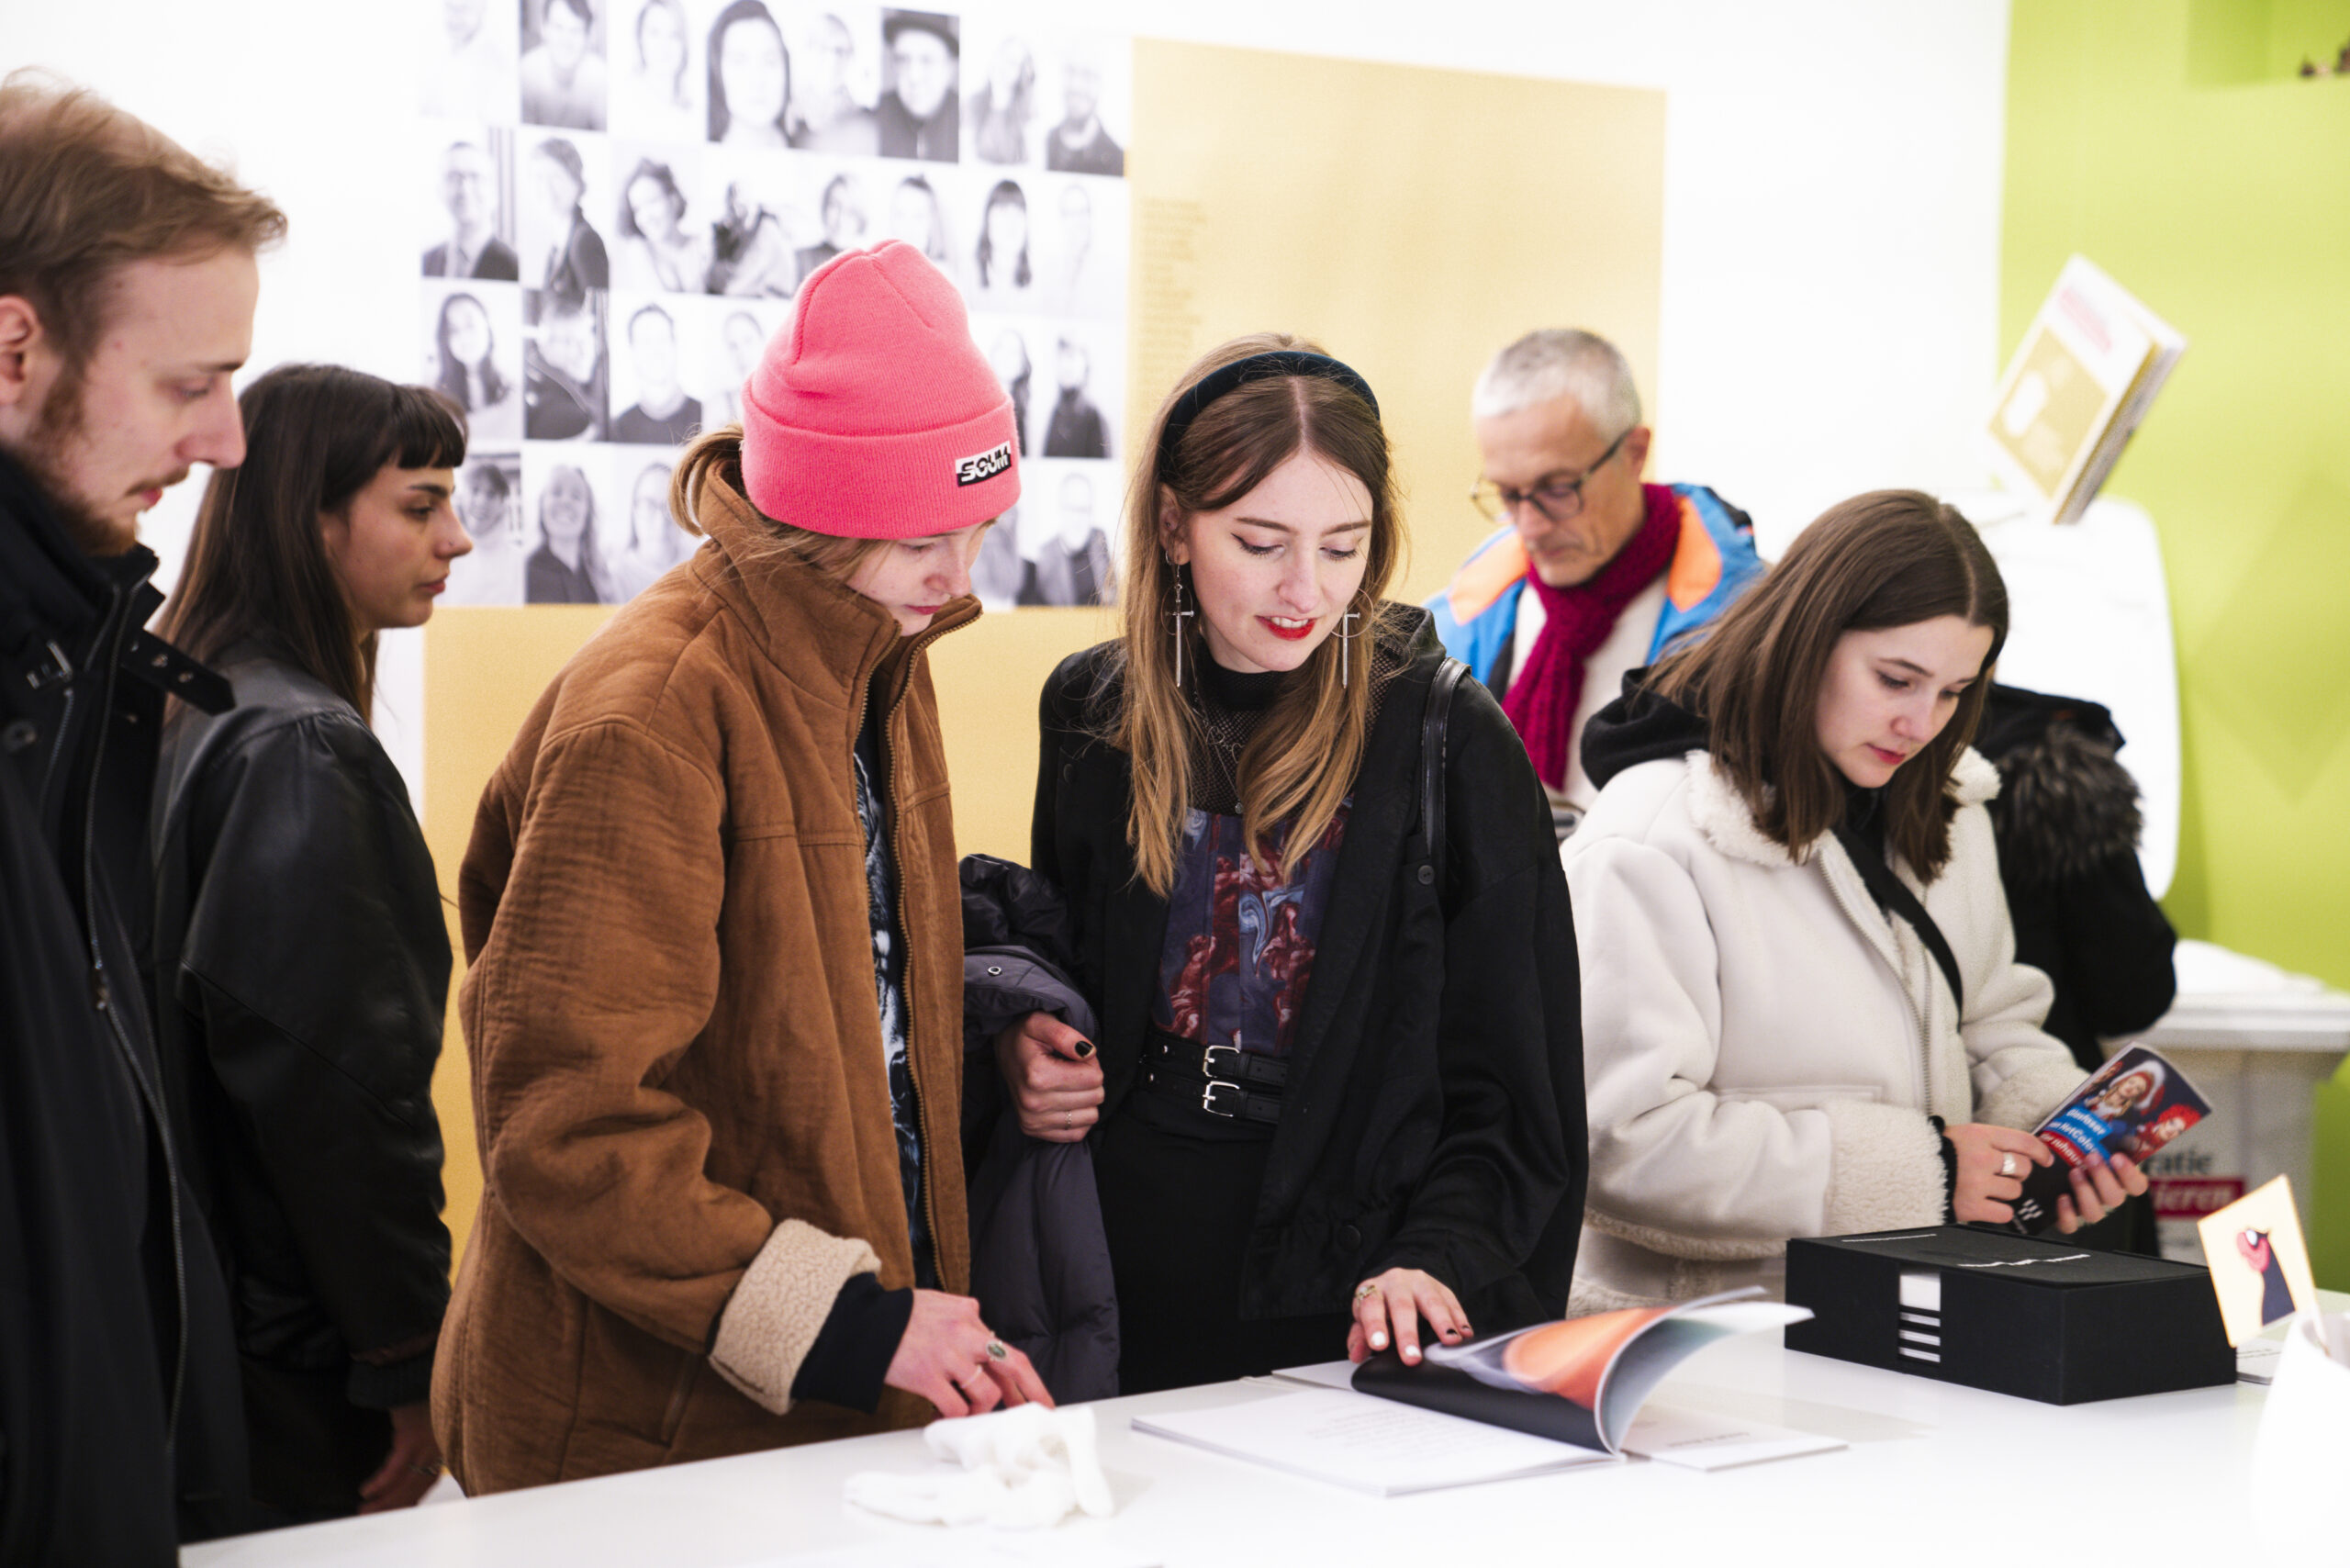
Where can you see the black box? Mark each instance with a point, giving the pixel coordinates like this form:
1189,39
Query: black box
2013,1313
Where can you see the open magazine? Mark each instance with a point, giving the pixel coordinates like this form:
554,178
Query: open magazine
1580,1380
2132,1105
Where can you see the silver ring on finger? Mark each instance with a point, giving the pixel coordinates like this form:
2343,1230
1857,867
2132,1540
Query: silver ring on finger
2006,1164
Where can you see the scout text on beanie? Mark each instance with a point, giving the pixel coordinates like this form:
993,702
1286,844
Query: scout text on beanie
872,415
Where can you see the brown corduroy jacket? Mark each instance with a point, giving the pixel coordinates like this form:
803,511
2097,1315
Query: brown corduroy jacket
681,1100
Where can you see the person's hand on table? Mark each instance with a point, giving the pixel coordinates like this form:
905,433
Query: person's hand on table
1390,1305
1054,1076
2099,1188
1992,1164
951,1357
407,1472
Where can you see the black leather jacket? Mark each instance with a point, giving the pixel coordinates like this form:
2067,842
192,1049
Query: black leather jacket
301,965
119,1428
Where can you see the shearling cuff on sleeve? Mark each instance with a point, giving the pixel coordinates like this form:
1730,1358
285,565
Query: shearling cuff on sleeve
776,1312
1887,1169
2023,1099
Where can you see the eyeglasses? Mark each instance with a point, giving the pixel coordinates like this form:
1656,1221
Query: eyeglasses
1556,500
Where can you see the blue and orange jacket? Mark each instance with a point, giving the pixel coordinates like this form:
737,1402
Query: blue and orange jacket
1713,564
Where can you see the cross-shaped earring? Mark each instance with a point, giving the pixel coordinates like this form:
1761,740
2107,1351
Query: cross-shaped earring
1175,571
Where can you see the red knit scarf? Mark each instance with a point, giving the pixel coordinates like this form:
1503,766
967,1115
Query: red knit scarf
1547,687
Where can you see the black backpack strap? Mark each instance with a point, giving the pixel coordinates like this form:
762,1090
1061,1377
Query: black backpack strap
1435,720
1893,896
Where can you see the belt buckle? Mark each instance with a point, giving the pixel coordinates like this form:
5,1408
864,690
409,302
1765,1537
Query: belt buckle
1207,1058
1207,1100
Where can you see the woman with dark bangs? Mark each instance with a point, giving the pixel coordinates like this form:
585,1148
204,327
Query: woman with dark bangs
1336,1092
299,959
1812,1022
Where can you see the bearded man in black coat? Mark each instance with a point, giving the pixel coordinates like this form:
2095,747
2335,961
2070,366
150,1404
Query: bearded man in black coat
127,290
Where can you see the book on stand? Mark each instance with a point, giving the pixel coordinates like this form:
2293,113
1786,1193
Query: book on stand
2081,382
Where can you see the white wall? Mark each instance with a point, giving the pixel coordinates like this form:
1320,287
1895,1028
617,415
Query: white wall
1832,210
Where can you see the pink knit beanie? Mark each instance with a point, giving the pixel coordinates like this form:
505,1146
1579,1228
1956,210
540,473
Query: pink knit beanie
872,415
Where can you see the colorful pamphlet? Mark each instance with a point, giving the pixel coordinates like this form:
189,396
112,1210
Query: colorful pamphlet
2132,1105
1580,1380
2260,1268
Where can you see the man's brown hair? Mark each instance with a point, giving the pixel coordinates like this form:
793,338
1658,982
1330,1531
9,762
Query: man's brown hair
86,188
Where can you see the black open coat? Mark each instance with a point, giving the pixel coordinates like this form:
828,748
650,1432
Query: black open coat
119,1412
1434,1116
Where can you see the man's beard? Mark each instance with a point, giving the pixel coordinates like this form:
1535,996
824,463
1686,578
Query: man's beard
43,454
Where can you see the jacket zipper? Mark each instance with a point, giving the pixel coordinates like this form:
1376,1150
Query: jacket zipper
1916,1015
898,923
102,998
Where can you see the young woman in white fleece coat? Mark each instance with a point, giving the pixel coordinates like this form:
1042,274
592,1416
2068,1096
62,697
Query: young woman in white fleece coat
1771,1049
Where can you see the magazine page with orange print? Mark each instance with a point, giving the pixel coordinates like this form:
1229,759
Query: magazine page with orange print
1578,1381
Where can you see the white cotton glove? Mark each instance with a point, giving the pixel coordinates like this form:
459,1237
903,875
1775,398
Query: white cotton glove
1022,1469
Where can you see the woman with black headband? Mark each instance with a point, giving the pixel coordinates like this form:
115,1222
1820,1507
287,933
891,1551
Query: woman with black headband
1336,1093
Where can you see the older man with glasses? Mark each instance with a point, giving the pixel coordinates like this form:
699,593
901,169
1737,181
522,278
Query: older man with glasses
1591,574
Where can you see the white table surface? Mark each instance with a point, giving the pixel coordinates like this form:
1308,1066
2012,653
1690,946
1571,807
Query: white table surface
1934,1474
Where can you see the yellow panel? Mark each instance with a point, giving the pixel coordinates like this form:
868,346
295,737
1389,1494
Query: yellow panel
1411,220
483,669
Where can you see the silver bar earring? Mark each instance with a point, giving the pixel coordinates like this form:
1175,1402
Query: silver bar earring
1346,644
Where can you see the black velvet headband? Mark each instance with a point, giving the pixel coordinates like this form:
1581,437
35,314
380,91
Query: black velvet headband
1255,367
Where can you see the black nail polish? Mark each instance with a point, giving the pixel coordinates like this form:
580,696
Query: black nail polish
1085,1049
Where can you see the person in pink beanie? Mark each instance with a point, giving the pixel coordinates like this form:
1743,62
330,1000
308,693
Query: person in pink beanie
713,999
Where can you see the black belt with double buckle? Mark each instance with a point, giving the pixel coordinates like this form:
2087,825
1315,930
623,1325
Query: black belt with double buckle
1223,1080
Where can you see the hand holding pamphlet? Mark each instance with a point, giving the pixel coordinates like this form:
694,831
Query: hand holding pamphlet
2130,1106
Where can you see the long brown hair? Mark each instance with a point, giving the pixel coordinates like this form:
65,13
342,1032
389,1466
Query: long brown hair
1302,760
257,572
720,453
1884,559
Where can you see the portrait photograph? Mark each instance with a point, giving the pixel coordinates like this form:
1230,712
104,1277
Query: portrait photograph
1089,98
647,543
653,340
468,212
468,60
1068,533
1079,222
737,332
921,107
489,504
1083,366
835,78
1001,274
565,181
570,520
473,353
661,218
760,220
1003,114
658,66
566,370
563,75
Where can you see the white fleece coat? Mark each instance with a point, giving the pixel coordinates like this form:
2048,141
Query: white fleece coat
1762,1045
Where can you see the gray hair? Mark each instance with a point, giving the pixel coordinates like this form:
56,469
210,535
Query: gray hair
1559,362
